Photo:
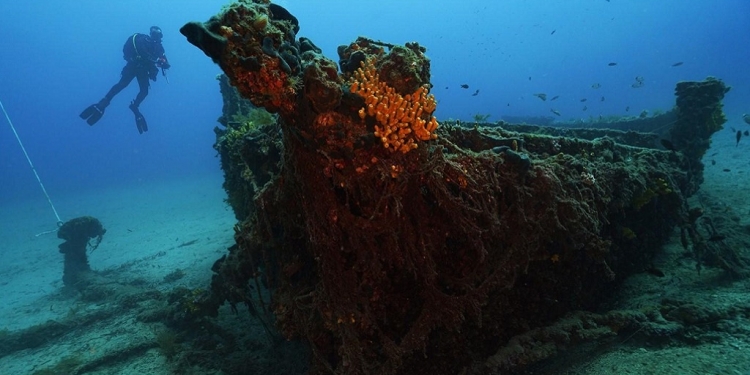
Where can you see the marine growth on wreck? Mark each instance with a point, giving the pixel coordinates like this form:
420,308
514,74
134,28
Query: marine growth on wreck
392,243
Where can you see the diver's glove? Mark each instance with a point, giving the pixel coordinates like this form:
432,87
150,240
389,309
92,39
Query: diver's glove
163,63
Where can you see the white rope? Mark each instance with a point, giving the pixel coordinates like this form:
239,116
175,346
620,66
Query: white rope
59,222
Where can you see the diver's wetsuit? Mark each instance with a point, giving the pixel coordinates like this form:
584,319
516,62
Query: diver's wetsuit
144,56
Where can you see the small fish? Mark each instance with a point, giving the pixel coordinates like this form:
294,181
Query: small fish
529,78
585,108
627,108
553,32
717,237
637,85
555,112
739,136
677,64
713,162
612,64
733,129
656,272
596,86
464,86
583,100
683,238
639,79
446,87
726,170
542,96
746,118
667,144
475,93
554,97
746,133
602,98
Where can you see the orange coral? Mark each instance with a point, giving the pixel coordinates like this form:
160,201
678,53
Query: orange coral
402,120
266,87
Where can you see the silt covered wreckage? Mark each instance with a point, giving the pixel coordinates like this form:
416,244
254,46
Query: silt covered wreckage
392,243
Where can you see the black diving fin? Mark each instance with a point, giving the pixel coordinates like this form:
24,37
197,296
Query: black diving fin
140,121
93,113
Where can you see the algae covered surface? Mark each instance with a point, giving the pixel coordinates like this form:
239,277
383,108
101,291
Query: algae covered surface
362,234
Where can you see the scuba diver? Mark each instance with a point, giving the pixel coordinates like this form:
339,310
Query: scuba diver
145,55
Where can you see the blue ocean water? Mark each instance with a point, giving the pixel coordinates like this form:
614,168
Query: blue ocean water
59,57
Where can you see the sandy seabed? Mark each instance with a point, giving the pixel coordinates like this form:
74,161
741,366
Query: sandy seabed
154,229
